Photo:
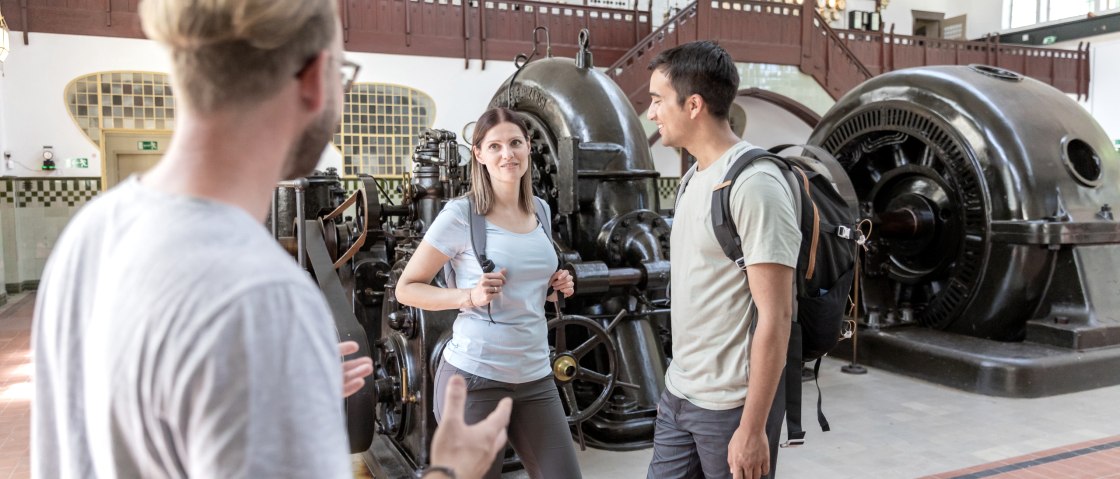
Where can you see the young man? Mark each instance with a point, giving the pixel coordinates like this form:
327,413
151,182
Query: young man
711,420
173,336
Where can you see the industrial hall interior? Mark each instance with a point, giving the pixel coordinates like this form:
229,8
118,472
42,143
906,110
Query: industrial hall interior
947,171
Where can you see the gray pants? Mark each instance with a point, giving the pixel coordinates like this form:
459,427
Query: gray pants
538,428
691,442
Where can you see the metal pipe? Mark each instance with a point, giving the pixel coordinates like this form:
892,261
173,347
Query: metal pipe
905,223
300,186
624,276
275,212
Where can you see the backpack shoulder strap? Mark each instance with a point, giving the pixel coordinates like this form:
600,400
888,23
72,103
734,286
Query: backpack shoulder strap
814,150
477,225
542,216
680,188
722,223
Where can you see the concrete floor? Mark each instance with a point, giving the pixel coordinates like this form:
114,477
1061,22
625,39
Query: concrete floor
883,425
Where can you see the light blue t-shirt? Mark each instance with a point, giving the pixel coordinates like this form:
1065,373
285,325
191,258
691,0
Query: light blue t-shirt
514,348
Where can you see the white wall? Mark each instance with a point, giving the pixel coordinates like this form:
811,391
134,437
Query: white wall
984,16
34,113
34,104
3,116
900,12
1104,69
1103,94
769,125
4,211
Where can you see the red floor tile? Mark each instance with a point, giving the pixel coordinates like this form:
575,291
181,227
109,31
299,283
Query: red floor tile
1096,459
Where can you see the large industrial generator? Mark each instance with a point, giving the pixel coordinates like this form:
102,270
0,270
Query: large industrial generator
990,263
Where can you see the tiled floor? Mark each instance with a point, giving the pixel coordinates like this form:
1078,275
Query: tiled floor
15,387
1090,459
883,426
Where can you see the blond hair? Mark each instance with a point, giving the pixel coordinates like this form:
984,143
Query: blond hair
227,53
482,190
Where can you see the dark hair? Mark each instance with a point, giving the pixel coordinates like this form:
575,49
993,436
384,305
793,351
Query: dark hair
481,189
701,68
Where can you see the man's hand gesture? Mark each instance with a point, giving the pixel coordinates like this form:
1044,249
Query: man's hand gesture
468,450
354,371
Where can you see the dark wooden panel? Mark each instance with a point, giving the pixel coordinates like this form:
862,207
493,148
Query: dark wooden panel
751,30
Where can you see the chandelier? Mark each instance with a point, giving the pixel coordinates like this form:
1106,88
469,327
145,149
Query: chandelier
830,10
4,34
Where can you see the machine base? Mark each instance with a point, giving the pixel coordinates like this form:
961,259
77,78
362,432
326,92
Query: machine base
992,368
384,461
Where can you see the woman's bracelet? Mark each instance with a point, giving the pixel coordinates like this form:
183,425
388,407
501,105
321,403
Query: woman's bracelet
470,298
446,471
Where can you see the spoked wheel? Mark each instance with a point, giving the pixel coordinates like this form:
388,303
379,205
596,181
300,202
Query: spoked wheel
582,351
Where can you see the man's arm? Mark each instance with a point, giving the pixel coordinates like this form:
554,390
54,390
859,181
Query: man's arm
771,286
766,217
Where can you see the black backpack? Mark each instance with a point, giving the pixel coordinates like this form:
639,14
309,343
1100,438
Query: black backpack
825,264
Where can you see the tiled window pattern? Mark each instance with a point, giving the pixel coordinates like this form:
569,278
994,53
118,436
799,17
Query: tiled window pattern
124,100
667,191
49,192
392,186
380,123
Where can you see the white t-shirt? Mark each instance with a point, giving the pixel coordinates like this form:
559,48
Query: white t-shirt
514,347
173,337
710,296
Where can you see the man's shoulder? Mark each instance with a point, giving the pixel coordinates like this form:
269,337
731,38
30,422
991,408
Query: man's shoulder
762,178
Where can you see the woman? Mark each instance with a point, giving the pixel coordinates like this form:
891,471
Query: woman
499,341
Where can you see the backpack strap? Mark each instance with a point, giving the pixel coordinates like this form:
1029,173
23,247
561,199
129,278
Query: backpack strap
795,435
814,150
542,217
477,225
684,182
546,225
728,237
722,223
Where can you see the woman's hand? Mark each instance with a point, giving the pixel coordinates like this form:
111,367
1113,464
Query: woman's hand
488,288
563,282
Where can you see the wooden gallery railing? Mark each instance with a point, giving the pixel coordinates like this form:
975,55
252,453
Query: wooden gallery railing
880,52
631,72
472,29
766,32
752,31
486,29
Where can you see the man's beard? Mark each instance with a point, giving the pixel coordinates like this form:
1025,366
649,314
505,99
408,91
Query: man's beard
304,156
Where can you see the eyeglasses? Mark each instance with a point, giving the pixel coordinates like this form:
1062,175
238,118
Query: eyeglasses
348,71
349,74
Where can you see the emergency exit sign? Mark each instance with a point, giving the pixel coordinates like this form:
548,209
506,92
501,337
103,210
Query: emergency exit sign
147,145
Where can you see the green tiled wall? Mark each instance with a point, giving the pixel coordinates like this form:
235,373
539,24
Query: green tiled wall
33,212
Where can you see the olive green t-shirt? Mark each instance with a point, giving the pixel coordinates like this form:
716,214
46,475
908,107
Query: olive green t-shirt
710,297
